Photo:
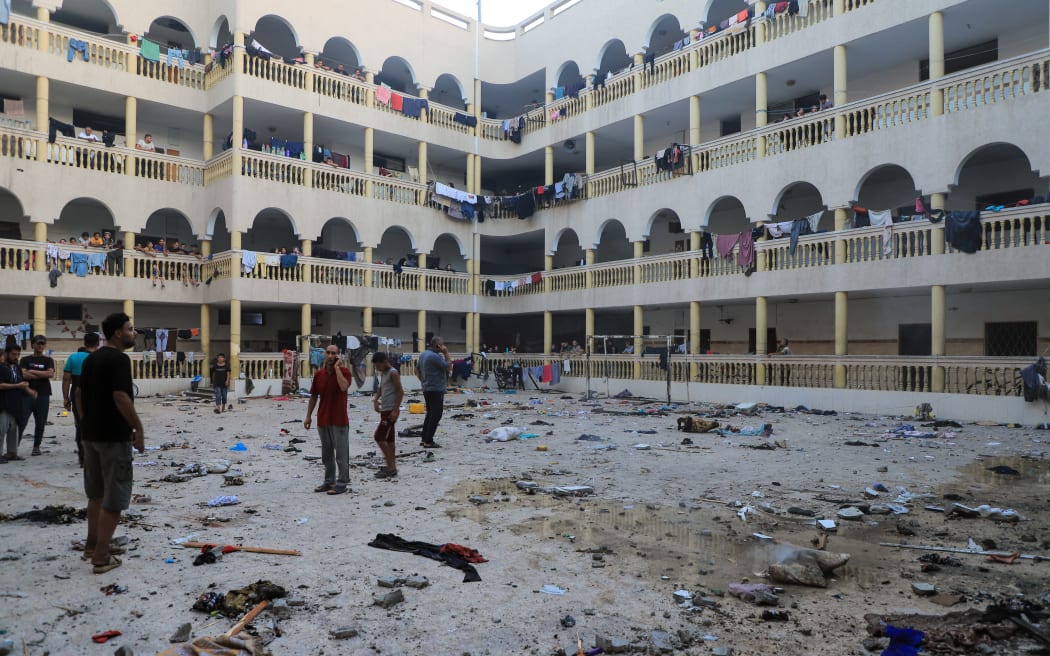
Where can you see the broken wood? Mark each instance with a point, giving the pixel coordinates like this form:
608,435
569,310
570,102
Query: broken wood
240,547
410,453
976,552
1031,628
259,607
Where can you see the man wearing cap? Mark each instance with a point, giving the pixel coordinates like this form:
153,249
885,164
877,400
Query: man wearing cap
38,369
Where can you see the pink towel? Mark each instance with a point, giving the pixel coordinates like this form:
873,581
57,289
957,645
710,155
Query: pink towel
746,256
383,94
725,243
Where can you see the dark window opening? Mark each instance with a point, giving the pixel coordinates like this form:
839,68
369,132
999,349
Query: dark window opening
730,125
914,339
1010,339
1007,198
771,340
964,58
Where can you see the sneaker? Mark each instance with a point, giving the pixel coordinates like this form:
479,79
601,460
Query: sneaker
323,487
430,445
386,473
36,451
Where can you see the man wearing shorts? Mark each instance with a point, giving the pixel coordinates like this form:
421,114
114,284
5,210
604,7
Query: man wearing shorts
110,427
387,402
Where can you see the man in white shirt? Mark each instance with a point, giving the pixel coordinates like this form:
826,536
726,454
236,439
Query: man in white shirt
145,167
146,143
87,135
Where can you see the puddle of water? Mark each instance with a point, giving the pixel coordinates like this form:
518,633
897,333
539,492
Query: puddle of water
1031,471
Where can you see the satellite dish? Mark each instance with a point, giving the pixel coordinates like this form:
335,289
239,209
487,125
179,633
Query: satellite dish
570,145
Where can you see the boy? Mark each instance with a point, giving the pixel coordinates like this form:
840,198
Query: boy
387,402
220,382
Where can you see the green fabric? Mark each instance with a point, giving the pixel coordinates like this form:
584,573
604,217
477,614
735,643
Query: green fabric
150,50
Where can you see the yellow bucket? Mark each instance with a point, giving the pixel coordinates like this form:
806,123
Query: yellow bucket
416,408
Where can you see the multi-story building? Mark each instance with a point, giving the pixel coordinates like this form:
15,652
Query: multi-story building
785,111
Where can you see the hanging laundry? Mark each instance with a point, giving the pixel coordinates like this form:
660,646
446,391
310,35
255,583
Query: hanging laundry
150,51
248,261
383,93
397,101
465,119
963,231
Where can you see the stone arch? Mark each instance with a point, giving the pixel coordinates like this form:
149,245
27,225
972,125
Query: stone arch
448,236
217,231
795,201
172,32
664,233
997,173
11,207
726,215
397,242
612,57
168,223
83,215
339,50
339,234
448,249
886,186
568,75
397,74
96,16
220,32
611,242
448,91
663,33
277,35
271,228
566,252
717,11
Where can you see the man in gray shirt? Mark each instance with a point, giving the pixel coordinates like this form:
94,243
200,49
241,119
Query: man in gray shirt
435,365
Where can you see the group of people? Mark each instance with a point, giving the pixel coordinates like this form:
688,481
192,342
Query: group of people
190,275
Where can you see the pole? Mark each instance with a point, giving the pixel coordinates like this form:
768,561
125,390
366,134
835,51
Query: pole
668,338
590,338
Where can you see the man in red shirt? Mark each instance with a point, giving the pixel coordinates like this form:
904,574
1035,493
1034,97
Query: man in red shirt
333,425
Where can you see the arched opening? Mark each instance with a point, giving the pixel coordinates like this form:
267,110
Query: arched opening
799,200
569,77
338,234
340,52
171,32
663,34
447,254
612,243
613,59
719,10
167,224
89,15
271,230
567,250
82,215
396,243
217,232
666,234
14,224
398,75
447,91
994,175
276,35
727,217
220,33
886,187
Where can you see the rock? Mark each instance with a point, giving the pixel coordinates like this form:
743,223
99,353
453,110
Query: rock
280,608
343,632
660,642
883,469
806,566
875,644
612,645
826,524
389,581
296,602
182,634
417,582
722,651
923,589
477,499
879,509
390,599
850,513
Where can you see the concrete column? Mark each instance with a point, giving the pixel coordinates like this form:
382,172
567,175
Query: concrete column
694,249
548,265
638,63
238,55
369,157
307,248
469,330
761,108
367,252
588,96
588,255
477,106
694,337
639,253
838,7
39,315
694,120
760,32
548,331
370,95
235,339
366,320
208,145
205,336
761,346
840,89
421,330
44,16
305,329
477,174
422,277
761,257
422,162
205,247
937,60
588,322
43,96
130,131
937,202
129,243
589,152
639,343
308,134
937,340
423,93
841,217
129,309
470,173
238,134
841,336
548,165
235,240
40,236
308,60
639,137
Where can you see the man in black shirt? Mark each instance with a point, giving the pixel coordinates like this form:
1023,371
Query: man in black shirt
14,395
220,382
39,369
110,427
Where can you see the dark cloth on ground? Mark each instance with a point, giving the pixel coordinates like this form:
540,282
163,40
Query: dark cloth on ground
392,542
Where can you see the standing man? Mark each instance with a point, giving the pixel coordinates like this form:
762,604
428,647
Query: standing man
220,382
387,402
38,369
333,425
110,427
435,365
70,381
14,392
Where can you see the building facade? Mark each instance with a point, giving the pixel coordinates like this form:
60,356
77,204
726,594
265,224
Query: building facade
670,154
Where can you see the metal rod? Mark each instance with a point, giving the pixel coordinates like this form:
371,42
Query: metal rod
920,547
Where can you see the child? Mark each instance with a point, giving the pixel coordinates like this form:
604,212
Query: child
387,402
220,381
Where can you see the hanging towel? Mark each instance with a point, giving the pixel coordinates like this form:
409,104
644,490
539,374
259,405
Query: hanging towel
383,93
814,220
548,374
78,263
5,11
150,51
963,231
248,260
289,261
724,244
883,219
397,101
746,255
